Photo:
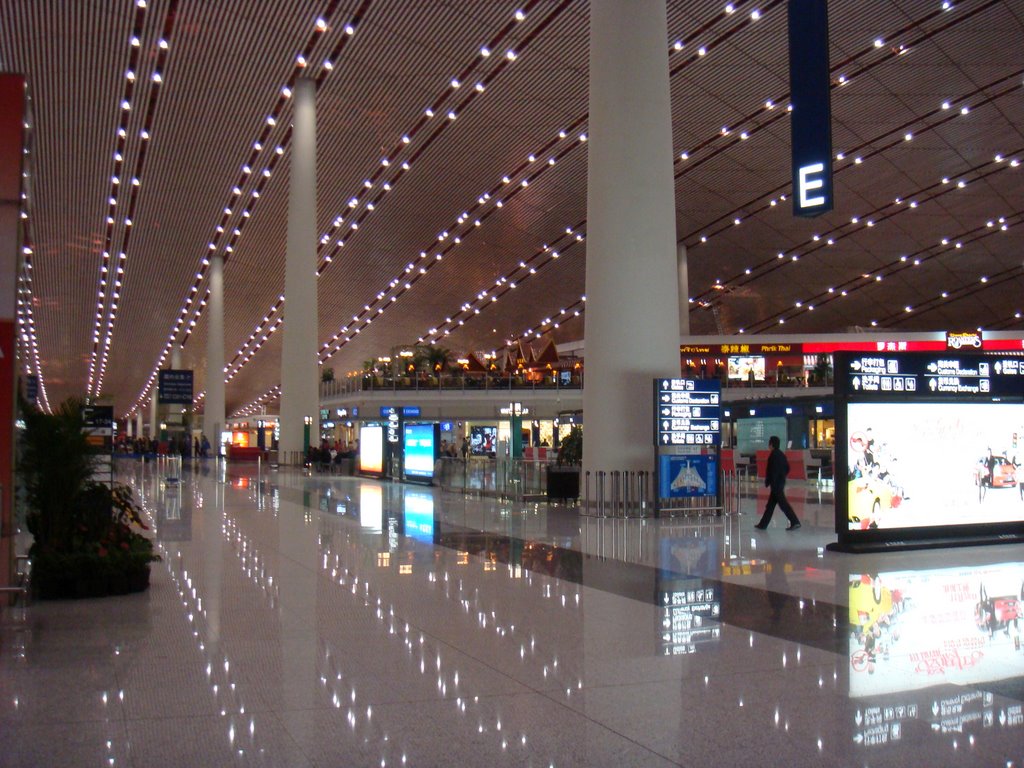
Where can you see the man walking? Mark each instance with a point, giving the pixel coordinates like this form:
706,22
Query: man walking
775,480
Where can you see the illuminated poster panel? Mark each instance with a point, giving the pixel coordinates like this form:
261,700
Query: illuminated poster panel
740,367
933,464
420,446
371,449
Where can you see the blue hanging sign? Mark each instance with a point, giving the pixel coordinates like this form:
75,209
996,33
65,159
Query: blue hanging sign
811,117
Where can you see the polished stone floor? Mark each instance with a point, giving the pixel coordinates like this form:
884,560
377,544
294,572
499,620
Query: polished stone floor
301,620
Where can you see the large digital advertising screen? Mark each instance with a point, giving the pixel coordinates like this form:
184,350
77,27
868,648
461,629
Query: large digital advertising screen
483,441
910,465
371,449
420,446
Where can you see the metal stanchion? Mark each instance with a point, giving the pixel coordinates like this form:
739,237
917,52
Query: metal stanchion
600,493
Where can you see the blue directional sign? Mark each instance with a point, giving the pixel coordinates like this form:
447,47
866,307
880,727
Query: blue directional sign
687,412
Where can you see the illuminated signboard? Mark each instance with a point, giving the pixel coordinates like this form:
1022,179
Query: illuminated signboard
965,341
927,448
421,450
811,111
371,449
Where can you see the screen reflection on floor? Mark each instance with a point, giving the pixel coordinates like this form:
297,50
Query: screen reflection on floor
934,649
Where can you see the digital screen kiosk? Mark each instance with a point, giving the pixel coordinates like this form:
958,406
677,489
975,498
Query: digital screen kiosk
927,450
371,449
420,446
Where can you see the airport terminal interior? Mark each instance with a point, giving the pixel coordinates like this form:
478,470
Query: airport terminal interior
300,618
251,242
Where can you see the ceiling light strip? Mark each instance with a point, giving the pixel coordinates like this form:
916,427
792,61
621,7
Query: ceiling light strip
117,272
249,171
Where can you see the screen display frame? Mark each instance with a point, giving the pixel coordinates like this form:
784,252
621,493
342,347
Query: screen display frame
479,447
420,443
905,537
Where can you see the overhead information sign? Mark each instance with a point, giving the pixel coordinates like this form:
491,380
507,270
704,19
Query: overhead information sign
810,98
174,387
920,375
687,412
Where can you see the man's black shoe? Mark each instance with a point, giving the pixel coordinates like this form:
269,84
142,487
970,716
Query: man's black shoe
761,527
793,527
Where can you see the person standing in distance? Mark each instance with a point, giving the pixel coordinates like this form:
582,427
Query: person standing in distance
775,480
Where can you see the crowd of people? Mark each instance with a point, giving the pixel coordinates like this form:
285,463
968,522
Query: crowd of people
174,445
331,454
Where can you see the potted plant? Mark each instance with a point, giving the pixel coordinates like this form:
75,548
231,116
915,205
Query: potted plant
564,476
87,539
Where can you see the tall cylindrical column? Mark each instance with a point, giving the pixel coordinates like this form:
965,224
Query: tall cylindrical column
684,289
154,417
300,394
138,422
213,406
632,320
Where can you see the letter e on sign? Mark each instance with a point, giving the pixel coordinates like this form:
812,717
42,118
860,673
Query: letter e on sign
809,180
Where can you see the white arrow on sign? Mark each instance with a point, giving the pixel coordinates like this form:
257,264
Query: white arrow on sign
664,439
666,398
856,382
855,365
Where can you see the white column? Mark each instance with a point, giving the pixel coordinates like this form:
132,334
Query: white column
154,417
213,405
138,422
176,357
300,394
684,289
632,320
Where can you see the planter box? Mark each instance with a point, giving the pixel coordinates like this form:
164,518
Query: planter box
61,577
563,483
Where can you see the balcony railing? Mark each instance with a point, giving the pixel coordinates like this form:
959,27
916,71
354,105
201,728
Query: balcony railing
464,382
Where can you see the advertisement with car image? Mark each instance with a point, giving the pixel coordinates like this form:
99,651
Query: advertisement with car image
933,464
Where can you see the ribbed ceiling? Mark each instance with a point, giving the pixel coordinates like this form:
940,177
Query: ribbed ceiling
204,98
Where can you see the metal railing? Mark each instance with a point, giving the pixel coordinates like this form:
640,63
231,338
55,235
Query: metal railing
465,382
618,493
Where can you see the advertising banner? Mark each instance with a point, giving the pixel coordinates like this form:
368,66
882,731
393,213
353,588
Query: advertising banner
933,464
